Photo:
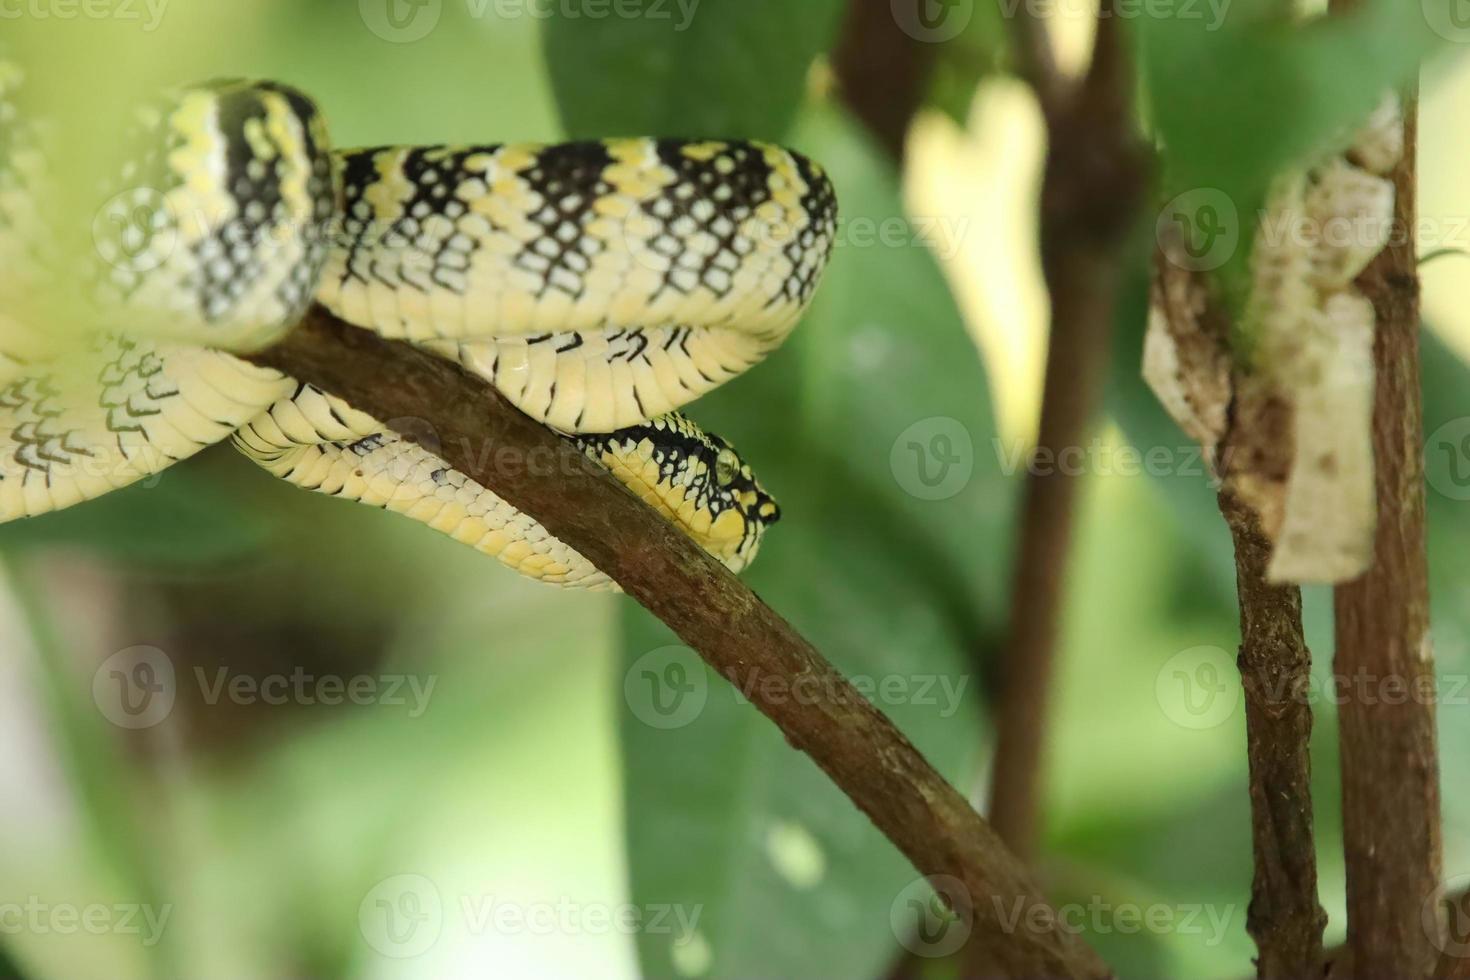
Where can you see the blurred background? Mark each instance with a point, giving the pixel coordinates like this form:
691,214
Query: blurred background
248,732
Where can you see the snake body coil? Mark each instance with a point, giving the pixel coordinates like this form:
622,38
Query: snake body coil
595,284
599,286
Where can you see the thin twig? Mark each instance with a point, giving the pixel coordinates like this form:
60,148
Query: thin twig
1035,61
1285,918
1094,182
538,472
1454,961
882,71
1254,437
1385,662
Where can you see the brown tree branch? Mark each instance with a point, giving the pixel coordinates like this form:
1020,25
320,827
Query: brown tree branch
1284,918
1385,662
1454,963
1253,428
1454,960
538,472
1094,182
882,71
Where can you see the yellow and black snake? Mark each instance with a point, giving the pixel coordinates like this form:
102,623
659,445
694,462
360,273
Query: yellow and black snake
598,285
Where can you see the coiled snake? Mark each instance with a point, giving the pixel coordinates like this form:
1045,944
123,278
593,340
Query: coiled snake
598,285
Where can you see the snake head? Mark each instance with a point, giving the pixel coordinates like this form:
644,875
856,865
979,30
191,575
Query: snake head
694,479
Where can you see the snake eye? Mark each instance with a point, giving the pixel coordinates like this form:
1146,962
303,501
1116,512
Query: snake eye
727,464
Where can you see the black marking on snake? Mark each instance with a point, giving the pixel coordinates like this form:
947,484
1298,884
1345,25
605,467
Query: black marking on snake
820,204
642,345
74,450
571,345
566,177
748,182
26,463
221,280
140,412
119,428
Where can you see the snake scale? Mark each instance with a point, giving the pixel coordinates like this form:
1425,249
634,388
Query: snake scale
599,286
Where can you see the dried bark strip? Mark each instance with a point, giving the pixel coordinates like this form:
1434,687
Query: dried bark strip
1390,762
711,610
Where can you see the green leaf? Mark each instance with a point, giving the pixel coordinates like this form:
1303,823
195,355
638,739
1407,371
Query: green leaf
1237,99
179,517
962,63
721,68
901,592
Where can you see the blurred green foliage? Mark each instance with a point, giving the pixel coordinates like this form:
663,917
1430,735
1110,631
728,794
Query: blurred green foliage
686,68
532,777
